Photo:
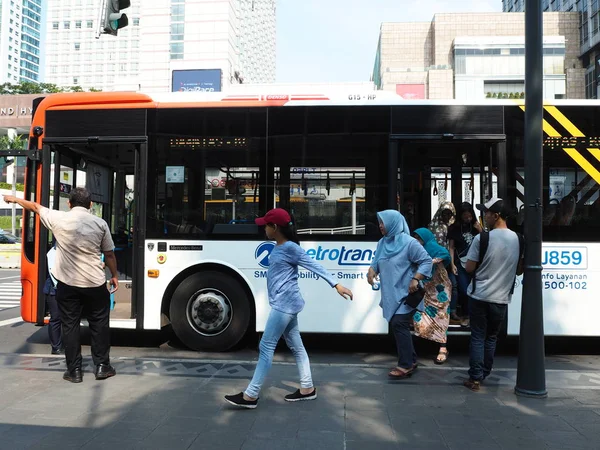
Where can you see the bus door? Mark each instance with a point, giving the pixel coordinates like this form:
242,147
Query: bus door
431,173
107,172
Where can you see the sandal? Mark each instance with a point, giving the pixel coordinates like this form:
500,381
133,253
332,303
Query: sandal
398,373
442,357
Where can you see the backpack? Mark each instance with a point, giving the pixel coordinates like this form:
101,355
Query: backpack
484,242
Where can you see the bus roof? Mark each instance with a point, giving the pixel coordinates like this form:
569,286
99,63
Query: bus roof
108,100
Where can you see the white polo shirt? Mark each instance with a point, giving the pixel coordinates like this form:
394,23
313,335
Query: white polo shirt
81,237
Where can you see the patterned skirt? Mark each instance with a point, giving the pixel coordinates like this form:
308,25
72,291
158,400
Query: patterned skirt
432,322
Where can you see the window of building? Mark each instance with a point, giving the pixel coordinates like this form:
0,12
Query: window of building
136,21
89,24
78,24
177,50
55,25
177,12
67,25
77,46
135,67
123,67
75,81
177,31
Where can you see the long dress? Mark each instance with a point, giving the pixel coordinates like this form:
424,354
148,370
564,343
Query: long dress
432,321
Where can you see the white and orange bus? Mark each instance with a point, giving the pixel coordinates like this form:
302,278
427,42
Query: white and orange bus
180,178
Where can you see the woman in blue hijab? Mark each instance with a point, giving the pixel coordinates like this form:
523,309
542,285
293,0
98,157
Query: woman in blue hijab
401,263
431,321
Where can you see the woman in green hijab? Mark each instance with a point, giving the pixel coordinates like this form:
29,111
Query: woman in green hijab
432,319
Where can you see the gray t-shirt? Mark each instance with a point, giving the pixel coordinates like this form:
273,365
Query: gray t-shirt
495,275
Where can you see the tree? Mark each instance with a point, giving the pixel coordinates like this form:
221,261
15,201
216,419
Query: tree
18,143
29,87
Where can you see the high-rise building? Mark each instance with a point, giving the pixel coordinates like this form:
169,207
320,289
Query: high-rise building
168,45
589,34
454,56
74,55
22,25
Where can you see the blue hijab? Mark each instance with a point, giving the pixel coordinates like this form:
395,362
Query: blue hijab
434,249
397,235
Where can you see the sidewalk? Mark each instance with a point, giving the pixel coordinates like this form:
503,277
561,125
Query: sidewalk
165,404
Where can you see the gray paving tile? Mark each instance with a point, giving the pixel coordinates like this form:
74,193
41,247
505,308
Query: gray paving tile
66,438
124,444
23,436
145,414
589,431
472,436
181,425
580,416
375,433
320,422
372,445
546,423
160,441
364,425
565,439
512,443
218,440
268,444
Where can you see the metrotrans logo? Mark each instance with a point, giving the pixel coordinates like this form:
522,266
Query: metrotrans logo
343,256
262,253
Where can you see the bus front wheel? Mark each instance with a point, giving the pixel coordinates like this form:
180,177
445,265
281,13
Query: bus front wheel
210,311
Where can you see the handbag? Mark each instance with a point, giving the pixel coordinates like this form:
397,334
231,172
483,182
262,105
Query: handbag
413,300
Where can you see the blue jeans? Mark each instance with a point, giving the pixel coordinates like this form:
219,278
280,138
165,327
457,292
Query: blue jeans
400,325
486,323
286,325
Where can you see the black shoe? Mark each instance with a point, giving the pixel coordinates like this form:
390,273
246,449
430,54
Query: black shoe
74,376
104,371
238,400
474,385
60,351
299,397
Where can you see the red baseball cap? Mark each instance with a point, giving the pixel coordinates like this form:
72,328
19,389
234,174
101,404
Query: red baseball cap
278,216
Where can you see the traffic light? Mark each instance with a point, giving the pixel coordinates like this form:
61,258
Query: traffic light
114,19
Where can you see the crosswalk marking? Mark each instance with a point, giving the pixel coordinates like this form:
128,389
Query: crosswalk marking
10,295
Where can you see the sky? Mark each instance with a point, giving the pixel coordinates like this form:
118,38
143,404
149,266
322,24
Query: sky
336,40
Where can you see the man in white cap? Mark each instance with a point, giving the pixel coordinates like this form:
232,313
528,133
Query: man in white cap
495,259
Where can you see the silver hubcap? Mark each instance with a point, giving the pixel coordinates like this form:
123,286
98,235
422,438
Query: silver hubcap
209,312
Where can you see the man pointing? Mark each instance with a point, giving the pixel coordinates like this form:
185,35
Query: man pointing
81,238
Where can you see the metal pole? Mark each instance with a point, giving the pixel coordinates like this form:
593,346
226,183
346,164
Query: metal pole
531,376
354,212
14,193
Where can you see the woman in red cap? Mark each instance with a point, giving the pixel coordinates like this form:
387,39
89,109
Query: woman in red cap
286,302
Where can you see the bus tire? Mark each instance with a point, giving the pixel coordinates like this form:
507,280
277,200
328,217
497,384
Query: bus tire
210,311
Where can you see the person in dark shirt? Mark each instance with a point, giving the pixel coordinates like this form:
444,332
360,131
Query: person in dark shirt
460,237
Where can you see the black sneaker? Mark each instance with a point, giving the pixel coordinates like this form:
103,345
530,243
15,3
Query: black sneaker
238,400
474,385
299,397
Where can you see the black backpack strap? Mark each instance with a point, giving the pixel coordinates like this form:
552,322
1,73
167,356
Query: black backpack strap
484,242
